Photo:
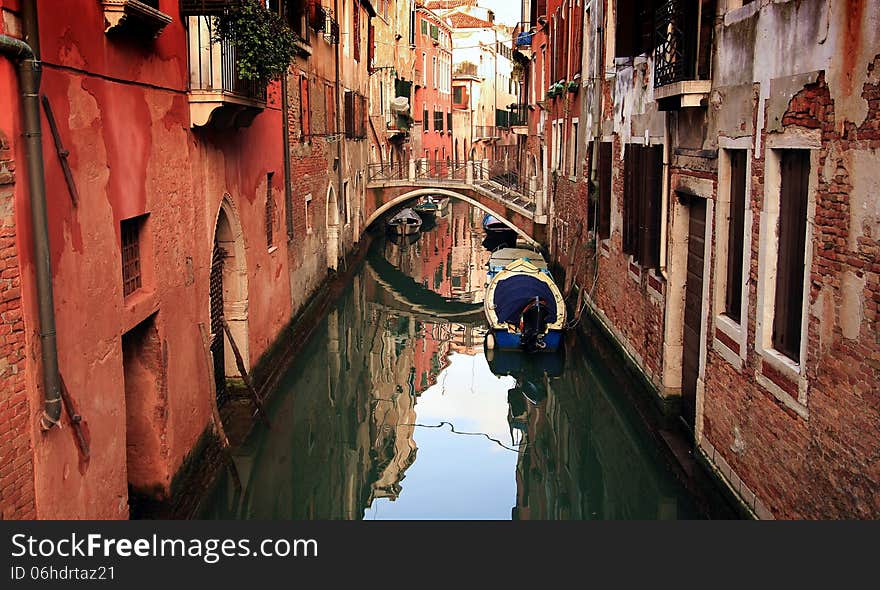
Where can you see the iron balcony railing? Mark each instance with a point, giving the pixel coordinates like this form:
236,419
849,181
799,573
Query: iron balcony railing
676,27
213,65
519,115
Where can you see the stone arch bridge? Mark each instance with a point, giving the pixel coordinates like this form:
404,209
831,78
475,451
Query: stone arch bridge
520,207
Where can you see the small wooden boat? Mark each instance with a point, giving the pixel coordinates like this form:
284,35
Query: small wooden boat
427,207
405,223
524,307
494,225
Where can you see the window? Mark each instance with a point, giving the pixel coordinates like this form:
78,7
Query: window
309,213
330,108
304,114
346,209
425,122
434,72
735,230
356,30
355,115
792,230
643,171
424,27
449,122
270,212
424,69
634,32
574,147
604,200
438,121
412,27
130,239
458,95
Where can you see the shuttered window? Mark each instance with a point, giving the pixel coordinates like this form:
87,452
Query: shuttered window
356,31
304,109
795,174
643,171
735,228
349,115
604,200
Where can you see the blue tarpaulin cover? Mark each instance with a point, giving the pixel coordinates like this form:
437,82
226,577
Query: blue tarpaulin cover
514,293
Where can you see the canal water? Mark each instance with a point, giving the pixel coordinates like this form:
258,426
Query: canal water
394,410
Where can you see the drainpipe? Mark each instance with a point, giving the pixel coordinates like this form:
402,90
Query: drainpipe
598,98
664,199
27,56
339,109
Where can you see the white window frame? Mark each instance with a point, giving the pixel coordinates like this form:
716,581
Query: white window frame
767,261
735,331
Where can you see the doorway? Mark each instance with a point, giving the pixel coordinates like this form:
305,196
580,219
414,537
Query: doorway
693,310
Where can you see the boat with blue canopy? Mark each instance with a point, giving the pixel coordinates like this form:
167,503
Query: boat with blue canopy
523,305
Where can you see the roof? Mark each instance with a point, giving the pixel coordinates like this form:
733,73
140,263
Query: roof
447,4
466,21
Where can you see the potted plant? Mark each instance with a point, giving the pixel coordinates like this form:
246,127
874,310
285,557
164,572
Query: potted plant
264,44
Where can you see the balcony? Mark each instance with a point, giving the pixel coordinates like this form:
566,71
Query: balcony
681,55
519,119
217,95
486,132
141,17
522,38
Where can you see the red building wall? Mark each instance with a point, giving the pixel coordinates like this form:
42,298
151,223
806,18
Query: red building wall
123,113
432,144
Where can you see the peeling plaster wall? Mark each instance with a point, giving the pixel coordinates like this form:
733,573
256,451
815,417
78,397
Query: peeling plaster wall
132,152
814,67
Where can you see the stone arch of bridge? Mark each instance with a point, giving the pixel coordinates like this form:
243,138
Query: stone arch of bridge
422,192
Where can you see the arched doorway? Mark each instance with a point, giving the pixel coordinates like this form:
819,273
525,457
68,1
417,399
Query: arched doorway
332,224
228,297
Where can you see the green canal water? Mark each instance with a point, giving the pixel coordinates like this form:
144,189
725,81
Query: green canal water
393,410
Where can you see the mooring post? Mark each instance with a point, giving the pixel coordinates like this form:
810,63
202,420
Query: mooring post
239,361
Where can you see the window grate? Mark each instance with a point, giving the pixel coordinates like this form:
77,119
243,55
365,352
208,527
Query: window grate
131,256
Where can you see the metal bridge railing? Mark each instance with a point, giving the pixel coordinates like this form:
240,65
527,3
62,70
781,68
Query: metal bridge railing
506,184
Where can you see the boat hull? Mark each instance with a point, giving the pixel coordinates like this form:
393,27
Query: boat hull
507,340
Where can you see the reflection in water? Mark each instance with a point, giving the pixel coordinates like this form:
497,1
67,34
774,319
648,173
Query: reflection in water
393,410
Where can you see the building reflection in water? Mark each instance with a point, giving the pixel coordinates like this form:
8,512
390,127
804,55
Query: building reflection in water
400,360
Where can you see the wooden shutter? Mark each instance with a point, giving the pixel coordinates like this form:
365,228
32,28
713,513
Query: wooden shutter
736,221
349,114
604,205
356,30
651,177
304,107
632,200
795,171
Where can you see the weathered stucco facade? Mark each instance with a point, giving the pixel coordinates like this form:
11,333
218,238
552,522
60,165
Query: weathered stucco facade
704,166
165,166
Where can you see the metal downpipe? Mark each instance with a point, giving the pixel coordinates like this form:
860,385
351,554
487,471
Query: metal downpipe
29,74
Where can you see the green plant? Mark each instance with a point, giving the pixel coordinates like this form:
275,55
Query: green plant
264,45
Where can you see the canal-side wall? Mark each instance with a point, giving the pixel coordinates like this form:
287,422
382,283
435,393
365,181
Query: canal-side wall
789,435
135,363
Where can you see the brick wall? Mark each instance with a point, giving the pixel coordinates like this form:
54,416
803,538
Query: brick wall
824,466
632,300
16,468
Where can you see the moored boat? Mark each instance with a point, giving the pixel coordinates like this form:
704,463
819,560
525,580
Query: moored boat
427,207
524,307
405,223
494,225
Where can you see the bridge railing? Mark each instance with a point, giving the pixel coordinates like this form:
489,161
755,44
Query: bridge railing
385,171
507,183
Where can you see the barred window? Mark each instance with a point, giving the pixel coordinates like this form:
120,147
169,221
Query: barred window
130,234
